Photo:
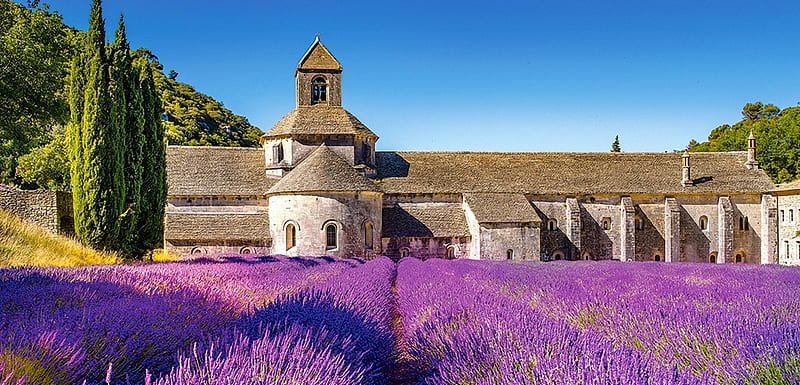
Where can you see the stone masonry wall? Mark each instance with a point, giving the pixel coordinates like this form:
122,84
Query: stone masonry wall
498,238
789,229
310,214
426,248
40,207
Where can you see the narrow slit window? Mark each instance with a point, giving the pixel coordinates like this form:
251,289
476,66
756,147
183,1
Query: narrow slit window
368,236
509,254
703,223
291,236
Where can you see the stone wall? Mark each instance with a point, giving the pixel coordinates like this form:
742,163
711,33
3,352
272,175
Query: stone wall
788,229
497,239
49,209
598,242
311,213
303,82
426,247
555,242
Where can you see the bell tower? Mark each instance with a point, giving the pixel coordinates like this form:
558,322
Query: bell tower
318,77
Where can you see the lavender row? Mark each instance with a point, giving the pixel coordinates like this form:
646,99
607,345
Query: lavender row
498,323
63,326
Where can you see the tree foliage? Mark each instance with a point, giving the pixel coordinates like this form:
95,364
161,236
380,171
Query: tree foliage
778,139
36,53
35,47
615,145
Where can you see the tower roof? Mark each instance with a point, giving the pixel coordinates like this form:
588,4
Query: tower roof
319,120
323,171
317,57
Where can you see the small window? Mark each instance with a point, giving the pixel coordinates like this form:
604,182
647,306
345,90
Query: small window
291,236
331,236
319,90
405,252
791,215
451,252
606,223
509,254
246,250
198,250
787,249
798,250
368,236
744,223
712,258
657,258
704,223
783,216
552,225
638,223
558,255
739,258
277,153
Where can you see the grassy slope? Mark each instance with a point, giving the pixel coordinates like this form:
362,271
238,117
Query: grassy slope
25,244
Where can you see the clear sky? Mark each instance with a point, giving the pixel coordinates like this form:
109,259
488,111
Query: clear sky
486,75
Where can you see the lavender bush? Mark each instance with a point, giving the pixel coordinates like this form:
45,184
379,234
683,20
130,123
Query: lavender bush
278,320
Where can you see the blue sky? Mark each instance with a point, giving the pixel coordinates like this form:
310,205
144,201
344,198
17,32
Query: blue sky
487,75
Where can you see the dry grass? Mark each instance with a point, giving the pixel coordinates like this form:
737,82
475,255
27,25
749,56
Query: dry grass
23,244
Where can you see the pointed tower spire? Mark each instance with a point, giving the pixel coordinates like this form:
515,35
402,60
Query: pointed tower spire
752,163
318,77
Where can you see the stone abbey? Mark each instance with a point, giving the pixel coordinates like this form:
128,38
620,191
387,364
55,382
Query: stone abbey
317,187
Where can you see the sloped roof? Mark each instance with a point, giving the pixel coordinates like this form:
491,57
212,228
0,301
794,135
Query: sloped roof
323,170
187,226
425,220
318,57
501,208
319,119
565,173
196,171
787,187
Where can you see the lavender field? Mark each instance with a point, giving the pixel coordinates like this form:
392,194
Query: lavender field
278,320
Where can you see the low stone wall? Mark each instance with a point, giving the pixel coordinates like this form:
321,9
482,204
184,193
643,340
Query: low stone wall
49,209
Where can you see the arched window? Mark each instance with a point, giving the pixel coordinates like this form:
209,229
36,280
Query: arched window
787,249
246,250
712,258
791,215
740,258
509,254
291,236
606,223
319,90
451,252
405,252
783,216
657,258
704,223
558,255
368,236
331,236
198,250
277,153
552,225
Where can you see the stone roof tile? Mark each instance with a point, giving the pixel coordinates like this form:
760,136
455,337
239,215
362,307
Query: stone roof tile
565,173
190,226
208,171
425,220
319,119
323,170
501,208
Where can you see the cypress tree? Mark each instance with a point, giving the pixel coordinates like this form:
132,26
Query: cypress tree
74,132
129,115
99,160
154,184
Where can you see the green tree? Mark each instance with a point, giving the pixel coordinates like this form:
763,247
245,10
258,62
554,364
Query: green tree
154,185
615,145
46,166
129,115
34,51
778,139
97,162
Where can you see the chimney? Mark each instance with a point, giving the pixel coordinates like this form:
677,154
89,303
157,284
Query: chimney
752,163
686,175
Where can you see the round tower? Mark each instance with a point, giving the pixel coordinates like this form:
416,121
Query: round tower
323,206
